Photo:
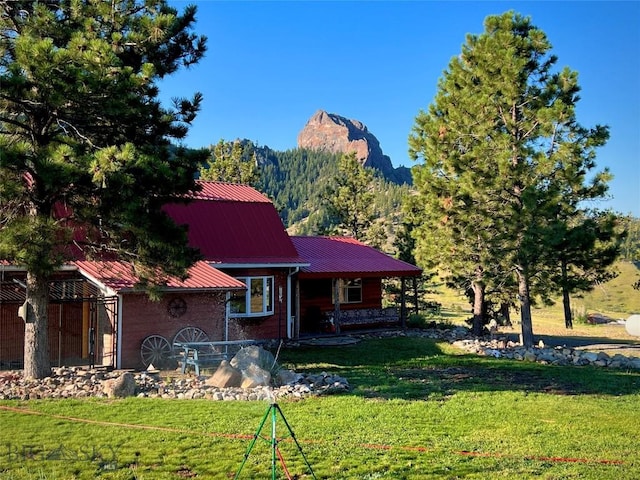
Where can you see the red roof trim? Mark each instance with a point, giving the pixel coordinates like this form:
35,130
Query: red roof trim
119,277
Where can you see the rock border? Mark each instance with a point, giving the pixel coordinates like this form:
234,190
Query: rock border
79,382
501,347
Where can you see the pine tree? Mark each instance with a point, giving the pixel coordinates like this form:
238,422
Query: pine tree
85,142
233,162
586,246
499,142
349,197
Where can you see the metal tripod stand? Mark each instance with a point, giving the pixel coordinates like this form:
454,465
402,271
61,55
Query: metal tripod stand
274,410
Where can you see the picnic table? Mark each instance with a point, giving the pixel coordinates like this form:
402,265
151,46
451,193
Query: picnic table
198,354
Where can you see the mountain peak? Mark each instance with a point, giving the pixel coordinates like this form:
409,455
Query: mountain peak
337,134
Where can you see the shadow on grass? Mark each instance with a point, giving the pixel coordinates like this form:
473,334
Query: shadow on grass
417,368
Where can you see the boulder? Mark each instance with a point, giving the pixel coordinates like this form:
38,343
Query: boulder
590,357
254,376
120,387
287,377
226,376
253,355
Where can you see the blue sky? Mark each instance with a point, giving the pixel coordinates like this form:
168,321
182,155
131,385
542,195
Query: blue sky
271,65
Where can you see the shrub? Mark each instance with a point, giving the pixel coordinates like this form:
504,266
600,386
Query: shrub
579,315
417,320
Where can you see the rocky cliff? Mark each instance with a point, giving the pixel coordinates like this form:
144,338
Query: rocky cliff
336,134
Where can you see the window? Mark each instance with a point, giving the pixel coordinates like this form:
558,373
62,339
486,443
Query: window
350,290
256,301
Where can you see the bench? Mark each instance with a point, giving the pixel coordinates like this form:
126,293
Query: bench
202,354
364,317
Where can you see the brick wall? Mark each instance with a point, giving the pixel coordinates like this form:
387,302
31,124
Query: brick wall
143,317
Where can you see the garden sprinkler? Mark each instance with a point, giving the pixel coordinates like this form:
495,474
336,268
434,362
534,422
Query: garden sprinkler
273,411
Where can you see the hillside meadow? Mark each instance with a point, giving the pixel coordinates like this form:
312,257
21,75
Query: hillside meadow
615,299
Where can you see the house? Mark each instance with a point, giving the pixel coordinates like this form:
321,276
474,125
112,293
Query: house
239,232
253,282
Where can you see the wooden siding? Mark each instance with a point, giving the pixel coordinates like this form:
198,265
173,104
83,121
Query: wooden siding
11,336
65,333
68,327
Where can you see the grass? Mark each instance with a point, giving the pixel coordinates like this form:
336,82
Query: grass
417,409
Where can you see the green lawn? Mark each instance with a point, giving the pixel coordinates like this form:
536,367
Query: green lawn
418,409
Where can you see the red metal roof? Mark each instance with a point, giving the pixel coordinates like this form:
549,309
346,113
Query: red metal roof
235,224
228,191
330,256
119,277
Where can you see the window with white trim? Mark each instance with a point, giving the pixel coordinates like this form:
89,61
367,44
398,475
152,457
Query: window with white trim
256,301
350,290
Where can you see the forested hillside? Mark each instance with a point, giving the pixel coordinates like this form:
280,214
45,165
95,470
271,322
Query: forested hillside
293,180
297,179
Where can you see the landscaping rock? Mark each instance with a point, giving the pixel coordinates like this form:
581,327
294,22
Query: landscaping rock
501,348
119,387
255,376
287,377
225,376
76,382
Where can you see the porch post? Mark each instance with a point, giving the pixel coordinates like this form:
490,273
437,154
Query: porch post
415,295
403,304
118,322
296,314
336,305
227,297
85,320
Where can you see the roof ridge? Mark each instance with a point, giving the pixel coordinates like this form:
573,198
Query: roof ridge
227,191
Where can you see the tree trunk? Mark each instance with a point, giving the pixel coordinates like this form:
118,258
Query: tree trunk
566,300
566,303
36,331
478,307
403,303
525,310
506,314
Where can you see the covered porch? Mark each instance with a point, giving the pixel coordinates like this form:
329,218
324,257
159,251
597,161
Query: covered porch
342,289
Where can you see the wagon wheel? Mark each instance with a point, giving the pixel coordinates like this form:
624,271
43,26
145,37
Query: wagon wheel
190,334
156,350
